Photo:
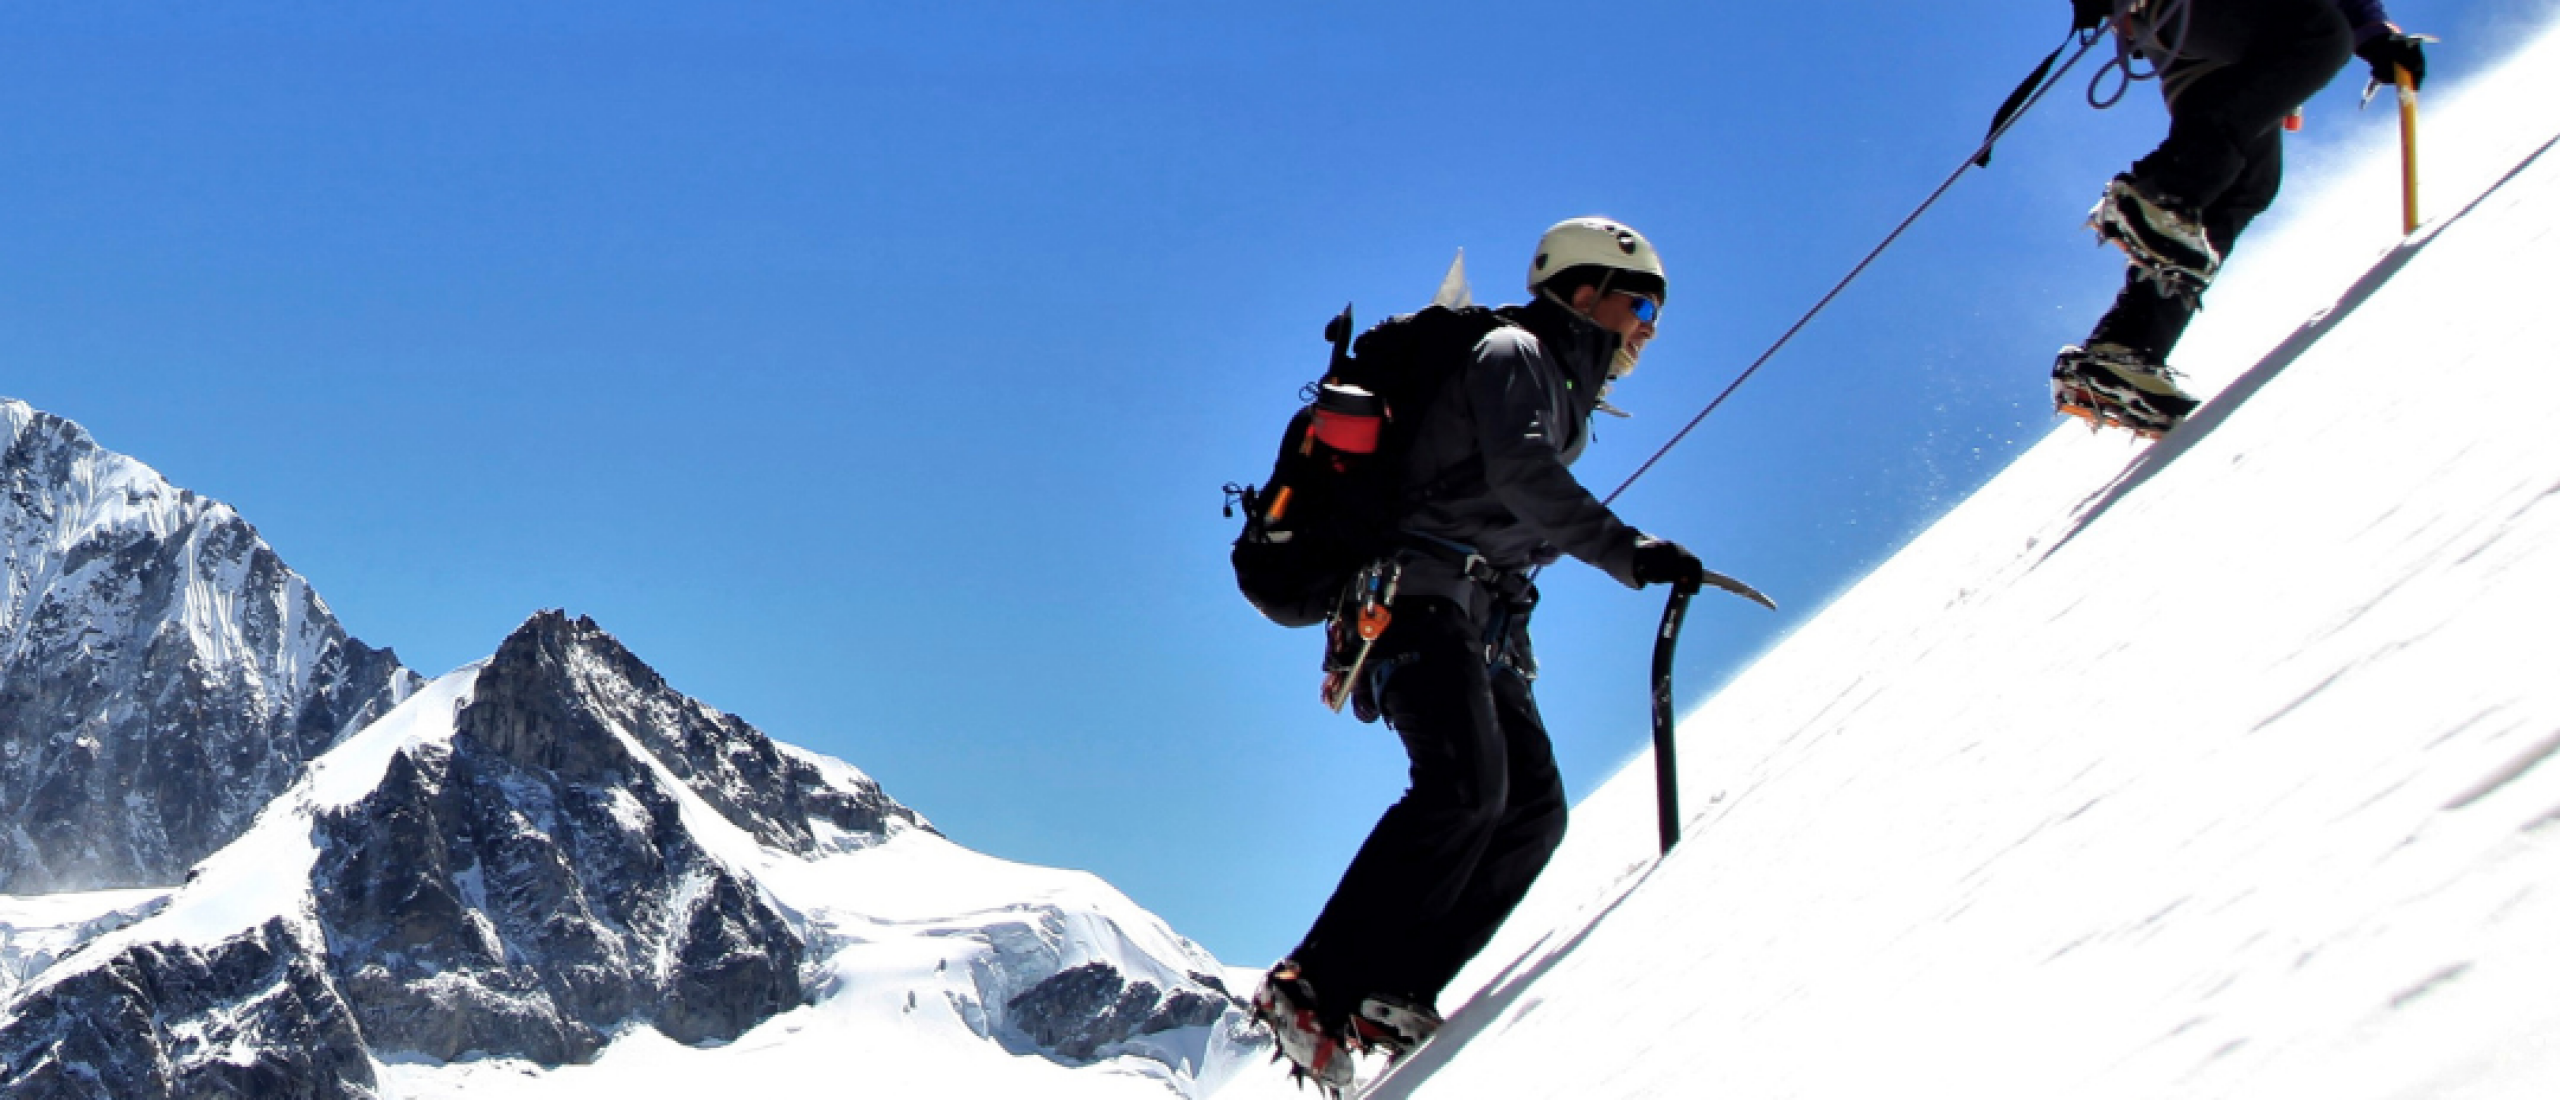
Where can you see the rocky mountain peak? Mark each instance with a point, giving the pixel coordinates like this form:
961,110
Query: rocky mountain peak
525,859
544,700
564,696
163,674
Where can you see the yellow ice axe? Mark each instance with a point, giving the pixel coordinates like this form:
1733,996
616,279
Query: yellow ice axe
2408,149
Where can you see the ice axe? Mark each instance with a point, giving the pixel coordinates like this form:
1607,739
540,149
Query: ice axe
2408,148
1666,773
2408,86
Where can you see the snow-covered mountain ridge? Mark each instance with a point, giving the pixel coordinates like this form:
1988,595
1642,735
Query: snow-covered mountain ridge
551,852
346,882
162,672
2221,767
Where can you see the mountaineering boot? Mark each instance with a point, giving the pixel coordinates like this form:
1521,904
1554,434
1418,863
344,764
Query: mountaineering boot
1314,1049
2113,385
2162,235
1394,1025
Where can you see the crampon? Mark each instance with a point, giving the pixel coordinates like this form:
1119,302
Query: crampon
1393,1026
2113,386
2163,242
1315,1053
2078,399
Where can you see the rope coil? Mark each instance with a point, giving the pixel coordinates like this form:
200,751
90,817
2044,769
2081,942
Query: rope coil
2138,24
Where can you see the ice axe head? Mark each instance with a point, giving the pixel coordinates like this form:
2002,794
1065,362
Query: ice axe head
1736,587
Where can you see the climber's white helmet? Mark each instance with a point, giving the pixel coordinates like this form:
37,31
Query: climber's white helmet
1598,242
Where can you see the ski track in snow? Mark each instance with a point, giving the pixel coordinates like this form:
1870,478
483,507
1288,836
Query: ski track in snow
2221,767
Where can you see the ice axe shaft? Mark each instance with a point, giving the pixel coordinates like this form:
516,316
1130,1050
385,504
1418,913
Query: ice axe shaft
1666,766
1666,769
2408,148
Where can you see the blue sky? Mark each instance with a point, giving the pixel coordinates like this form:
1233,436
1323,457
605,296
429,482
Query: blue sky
872,370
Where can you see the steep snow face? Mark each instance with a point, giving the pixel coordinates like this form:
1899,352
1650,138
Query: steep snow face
162,673
2221,767
35,932
553,856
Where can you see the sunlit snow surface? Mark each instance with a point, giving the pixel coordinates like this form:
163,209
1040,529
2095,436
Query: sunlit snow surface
2217,767
37,930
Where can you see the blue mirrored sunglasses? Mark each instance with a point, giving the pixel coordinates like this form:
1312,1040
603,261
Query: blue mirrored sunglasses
1645,309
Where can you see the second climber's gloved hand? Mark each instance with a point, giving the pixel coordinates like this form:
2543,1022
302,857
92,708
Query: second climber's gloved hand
2392,49
1662,561
2089,15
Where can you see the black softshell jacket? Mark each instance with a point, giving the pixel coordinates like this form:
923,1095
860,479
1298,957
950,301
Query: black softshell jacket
1494,448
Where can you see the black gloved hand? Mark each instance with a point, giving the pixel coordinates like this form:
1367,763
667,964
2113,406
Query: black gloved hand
1661,561
2394,49
2088,15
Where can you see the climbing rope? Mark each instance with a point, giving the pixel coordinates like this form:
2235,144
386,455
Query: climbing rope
2140,37
2009,116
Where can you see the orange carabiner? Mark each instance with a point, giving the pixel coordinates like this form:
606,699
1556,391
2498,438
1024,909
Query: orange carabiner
1373,621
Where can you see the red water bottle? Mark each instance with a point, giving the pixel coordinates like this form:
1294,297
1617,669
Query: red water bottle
1348,418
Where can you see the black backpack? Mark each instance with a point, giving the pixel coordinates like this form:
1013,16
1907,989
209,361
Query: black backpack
1337,491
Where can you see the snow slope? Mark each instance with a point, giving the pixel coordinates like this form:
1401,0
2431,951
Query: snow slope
36,931
2221,767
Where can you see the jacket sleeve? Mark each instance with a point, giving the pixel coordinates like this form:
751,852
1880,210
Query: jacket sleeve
2366,17
1524,459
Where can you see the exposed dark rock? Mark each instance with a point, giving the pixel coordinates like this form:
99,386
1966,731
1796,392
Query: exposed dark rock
1077,1013
140,730
558,687
527,888
542,876
476,905
525,898
255,1016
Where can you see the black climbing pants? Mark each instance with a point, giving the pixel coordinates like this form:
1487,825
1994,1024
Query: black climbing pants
2244,65
1449,861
